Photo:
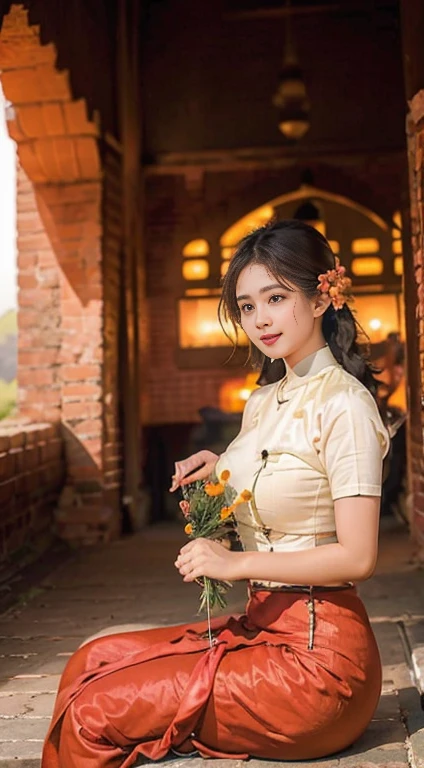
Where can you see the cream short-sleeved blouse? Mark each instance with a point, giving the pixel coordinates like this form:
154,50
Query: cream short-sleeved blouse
324,442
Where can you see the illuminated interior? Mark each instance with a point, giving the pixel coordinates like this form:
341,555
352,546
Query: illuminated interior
380,315
335,246
244,226
397,244
398,265
367,265
234,393
365,245
195,269
198,247
199,325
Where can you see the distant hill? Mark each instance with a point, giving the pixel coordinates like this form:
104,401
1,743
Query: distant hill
8,345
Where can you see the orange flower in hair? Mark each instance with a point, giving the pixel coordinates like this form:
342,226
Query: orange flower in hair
335,283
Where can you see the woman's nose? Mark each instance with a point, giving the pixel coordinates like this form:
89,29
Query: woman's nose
262,319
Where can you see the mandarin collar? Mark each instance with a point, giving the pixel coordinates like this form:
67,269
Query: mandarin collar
310,366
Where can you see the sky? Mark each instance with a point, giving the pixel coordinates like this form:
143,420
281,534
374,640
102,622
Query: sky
8,299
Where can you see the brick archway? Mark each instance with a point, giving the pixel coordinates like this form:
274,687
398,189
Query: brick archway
63,368
275,185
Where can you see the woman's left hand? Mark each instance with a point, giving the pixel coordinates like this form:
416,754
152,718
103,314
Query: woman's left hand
203,557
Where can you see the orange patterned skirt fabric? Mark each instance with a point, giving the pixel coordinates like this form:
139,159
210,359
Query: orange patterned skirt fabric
257,692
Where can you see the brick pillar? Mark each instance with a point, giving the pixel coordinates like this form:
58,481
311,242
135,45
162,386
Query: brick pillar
413,57
415,129
63,261
39,316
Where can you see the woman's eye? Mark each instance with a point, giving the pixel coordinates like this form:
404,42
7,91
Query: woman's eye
276,299
246,307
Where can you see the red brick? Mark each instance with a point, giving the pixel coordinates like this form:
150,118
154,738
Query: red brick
40,396
17,439
27,281
27,318
80,372
47,258
38,299
89,428
81,410
27,260
81,391
31,243
67,357
36,377
38,358
7,492
7,466
4,442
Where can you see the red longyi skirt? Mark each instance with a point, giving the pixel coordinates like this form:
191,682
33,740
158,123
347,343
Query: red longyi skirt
257,692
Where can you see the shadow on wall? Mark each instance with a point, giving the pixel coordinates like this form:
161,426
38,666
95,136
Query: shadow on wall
89,516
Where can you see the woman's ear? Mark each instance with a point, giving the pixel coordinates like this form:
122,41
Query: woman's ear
321,304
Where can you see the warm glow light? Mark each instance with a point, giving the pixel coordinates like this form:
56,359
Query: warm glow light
199,325
398,265
319,225
224,268
386,308
196,248
334,245
294,129
244,393
375,324
397,218
234,393
201,292
195,269
365,245
226,253
247,224
367,266
397,246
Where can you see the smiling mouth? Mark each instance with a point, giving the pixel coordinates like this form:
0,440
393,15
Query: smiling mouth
270,338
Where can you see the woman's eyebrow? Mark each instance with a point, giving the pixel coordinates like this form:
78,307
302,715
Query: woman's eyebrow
262,290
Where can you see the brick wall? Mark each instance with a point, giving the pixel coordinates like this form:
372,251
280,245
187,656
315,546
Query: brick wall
415,309
39,319
31,474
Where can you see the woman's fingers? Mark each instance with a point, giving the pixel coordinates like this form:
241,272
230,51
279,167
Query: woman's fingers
195,467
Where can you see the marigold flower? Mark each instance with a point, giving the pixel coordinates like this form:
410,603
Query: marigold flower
225,476
227,511
188,529
246,495
214,489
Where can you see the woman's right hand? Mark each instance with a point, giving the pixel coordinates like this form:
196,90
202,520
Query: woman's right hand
190,469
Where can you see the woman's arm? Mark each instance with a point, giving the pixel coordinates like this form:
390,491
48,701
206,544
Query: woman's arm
352,558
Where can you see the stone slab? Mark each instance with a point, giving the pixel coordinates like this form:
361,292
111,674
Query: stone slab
27,704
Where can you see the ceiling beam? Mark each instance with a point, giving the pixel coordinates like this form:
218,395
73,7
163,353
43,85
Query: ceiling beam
256,158
346,8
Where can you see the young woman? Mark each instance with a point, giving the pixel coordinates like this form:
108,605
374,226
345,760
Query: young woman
298,676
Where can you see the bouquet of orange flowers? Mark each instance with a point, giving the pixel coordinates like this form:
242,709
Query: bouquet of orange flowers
209,506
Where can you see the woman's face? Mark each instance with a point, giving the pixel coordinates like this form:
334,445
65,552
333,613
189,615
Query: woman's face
280,322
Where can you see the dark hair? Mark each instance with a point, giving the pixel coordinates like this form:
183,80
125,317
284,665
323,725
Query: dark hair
294,252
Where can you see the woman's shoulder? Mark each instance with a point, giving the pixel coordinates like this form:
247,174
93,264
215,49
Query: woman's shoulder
343,389
342,394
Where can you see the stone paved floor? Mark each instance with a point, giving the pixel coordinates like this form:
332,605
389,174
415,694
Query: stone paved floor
133,582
